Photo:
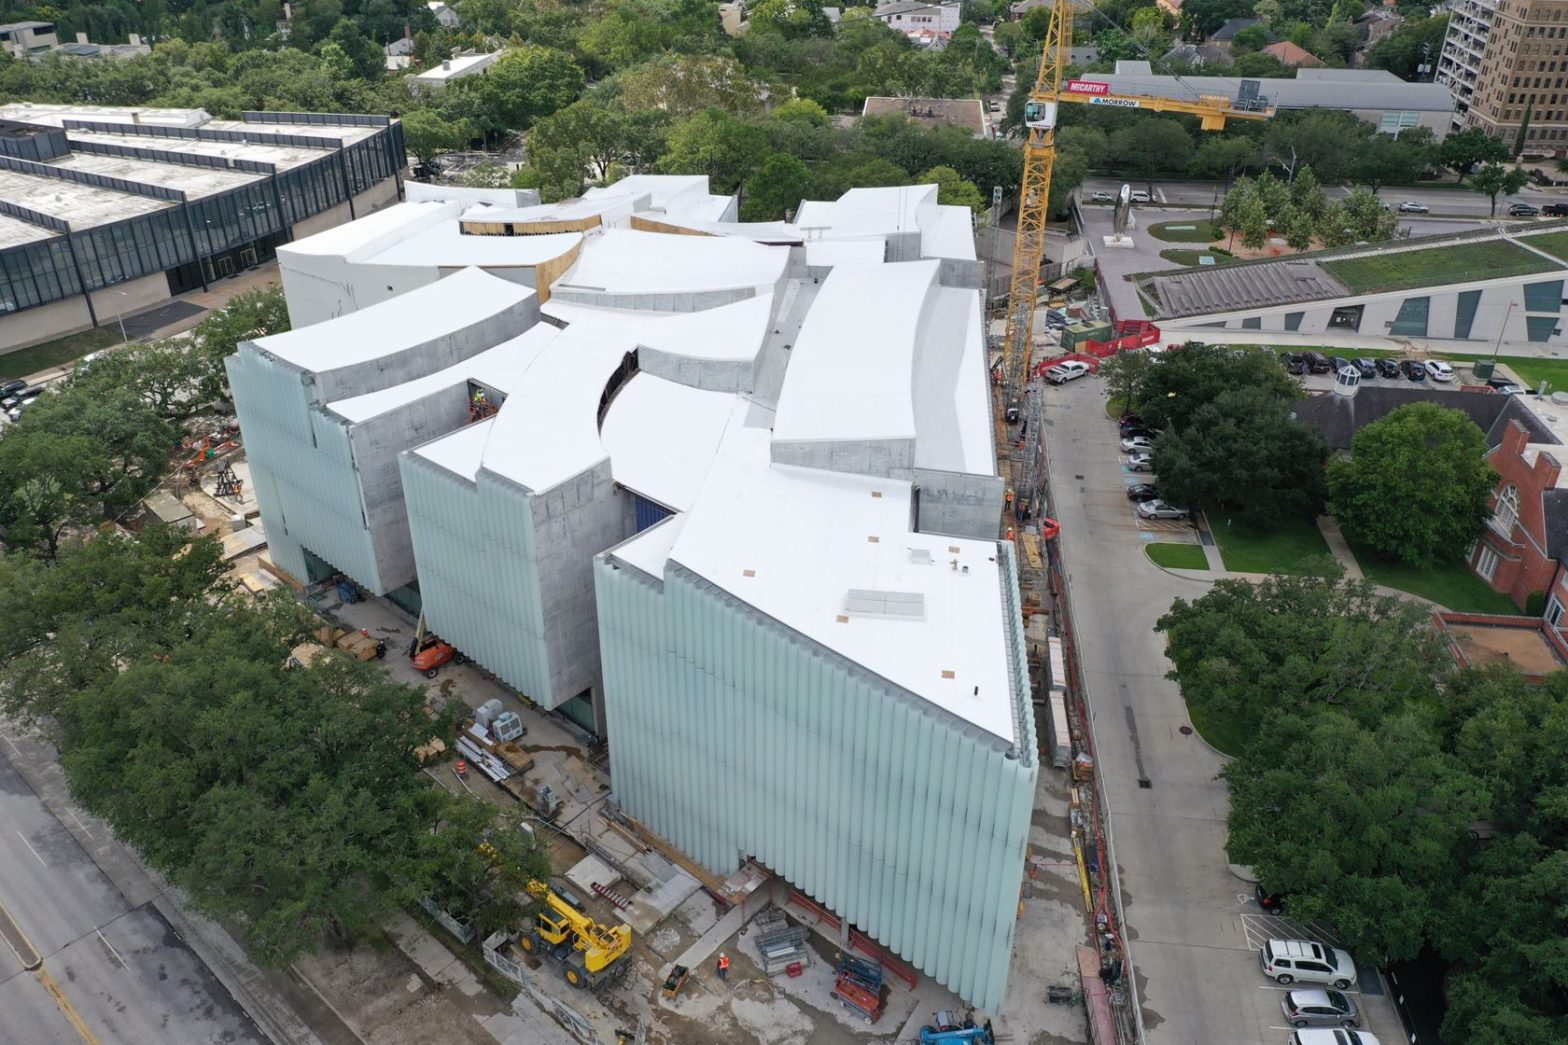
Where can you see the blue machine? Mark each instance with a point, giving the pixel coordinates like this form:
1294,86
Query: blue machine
949,1029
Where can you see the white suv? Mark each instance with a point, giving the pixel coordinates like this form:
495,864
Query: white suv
1304,961
1062,373
1438,370
1332,1037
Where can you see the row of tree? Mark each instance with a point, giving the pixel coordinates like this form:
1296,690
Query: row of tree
1407,805
1299,213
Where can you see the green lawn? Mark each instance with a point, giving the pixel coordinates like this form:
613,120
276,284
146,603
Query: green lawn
1453,586
1288,549
25,362
1554,243
1226,736
1439,265
1178,556
1189,258
1201,231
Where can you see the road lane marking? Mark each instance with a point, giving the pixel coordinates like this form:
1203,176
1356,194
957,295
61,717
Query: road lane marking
105,941
66,1008
11,744
30,848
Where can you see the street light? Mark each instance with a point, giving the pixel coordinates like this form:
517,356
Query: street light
119,316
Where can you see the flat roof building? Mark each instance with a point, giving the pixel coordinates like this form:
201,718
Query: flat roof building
106,212
723,494
1374,95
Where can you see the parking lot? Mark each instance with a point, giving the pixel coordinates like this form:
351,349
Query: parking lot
1194,927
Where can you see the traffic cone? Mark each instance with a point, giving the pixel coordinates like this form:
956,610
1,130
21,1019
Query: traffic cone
461,767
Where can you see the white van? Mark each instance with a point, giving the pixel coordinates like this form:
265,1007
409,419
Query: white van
1326,1036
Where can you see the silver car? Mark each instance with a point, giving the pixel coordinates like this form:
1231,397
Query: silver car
1140,462
1317,1008
1137,444
1158,509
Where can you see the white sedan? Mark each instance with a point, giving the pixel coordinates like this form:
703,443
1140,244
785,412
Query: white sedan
1138,444
1412,207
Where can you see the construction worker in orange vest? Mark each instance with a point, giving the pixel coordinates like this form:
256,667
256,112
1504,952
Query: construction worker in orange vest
724,966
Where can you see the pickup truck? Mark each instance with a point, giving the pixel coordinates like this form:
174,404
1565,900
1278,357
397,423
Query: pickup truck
1062,373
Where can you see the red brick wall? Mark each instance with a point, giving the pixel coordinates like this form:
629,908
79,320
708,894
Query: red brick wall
1523,567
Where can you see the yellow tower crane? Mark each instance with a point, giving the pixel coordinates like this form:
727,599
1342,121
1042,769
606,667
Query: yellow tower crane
1051,88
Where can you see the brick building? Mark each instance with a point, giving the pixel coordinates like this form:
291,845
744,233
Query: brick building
1519,551
1503,59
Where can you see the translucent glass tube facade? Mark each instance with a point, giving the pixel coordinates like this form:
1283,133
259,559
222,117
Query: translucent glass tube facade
733,736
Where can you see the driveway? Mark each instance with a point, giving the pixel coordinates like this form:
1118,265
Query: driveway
1193,927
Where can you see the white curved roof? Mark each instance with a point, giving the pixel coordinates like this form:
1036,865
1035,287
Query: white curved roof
445,245
851,372
418,317
732,333
662,437
622,261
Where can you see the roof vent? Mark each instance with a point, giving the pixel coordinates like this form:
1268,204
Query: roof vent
904,605
921,556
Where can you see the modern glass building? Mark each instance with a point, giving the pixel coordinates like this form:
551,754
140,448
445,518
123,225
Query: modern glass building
105,212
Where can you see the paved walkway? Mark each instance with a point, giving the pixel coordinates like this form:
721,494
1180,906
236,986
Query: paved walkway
1337,544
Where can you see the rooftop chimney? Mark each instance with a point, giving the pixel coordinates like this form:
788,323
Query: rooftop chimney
81,38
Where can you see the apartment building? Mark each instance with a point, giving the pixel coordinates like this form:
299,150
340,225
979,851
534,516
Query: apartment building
1505,62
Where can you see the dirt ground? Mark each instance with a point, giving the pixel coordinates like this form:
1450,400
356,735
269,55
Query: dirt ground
1524,648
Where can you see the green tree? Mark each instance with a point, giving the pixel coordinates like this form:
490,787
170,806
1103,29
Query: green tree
526,83
1223,157
683,85
1357,217
477,865
1417,486
1415,42
365,58
1299,230
248,316
1524,129
1464,151
1245,456
727,150
1124,375
1179,384
792,19
952,189
1150,146
1493,180
427,135
775,189
1252,222
1306,194
1326,140
1253,38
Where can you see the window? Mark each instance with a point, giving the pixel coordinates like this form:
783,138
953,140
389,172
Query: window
1544,297
1486,563
1254,323
1539,328
1505,513
1411,320
1554,611
1293,320
1396,120
1347,317
1464,314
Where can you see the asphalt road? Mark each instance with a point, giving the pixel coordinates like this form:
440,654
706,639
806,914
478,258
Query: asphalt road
1193,926
110,971
1442,202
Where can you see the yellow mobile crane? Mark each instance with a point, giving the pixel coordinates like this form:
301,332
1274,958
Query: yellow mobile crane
589,953
1051,88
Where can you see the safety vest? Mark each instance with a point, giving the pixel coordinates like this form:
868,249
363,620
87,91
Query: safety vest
724,961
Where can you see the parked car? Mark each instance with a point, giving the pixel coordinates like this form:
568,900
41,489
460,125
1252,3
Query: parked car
1138,432
1138,444
1295,363
1140,195
1510,389
1522,210
1130,418
1413,369
1142,492
1140,462
1271,903
1307,961
1103,197
1159,509
1317,363
10,388
15,413
435,656
1412,207
1555,210
27,391
1062,373
1366,366
1438,370
1339,363
1319,1008
1332,1037
1387,368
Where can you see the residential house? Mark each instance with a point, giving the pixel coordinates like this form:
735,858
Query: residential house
1200,56
1520,551
912,17
1227,32
1293,55
1170,7
399,53
445,14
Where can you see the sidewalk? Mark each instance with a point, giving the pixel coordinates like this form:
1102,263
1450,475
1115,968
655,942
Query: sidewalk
1337,544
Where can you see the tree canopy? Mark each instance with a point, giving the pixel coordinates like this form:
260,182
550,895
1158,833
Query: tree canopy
1416,487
